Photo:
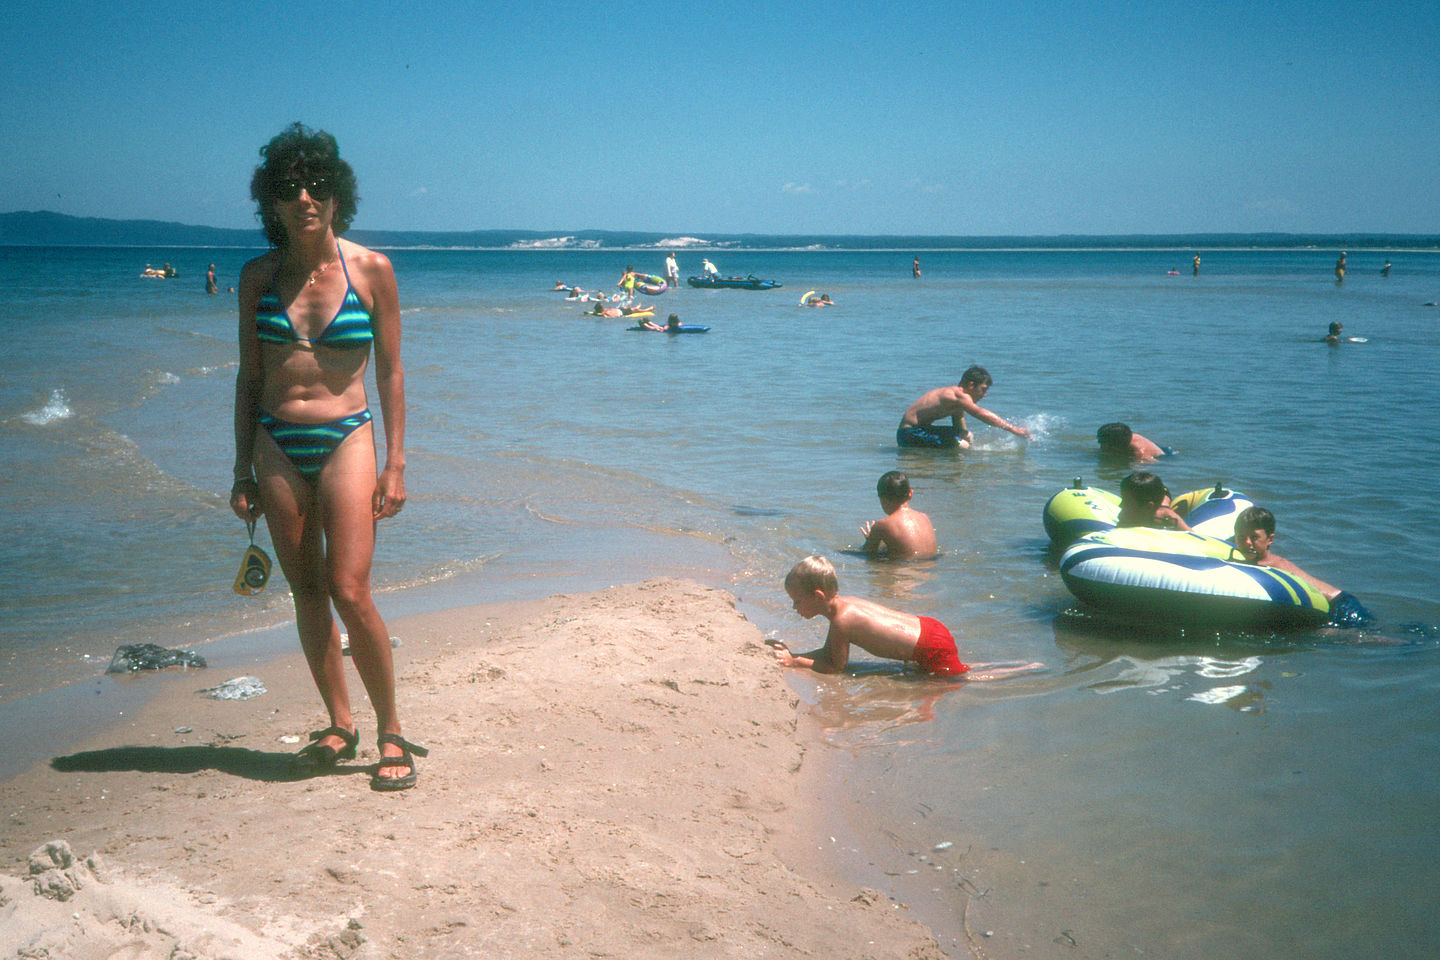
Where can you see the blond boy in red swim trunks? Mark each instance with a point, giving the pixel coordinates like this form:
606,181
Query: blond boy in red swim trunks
891,634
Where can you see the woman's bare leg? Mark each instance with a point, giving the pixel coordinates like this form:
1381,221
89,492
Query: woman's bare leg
346,488
293,515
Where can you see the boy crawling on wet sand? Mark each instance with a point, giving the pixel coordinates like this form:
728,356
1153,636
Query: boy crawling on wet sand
815,592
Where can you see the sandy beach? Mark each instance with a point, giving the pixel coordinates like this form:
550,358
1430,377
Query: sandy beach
615,774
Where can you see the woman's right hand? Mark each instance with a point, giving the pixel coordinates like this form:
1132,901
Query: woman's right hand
245,500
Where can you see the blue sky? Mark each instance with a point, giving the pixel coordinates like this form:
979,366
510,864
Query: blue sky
767,117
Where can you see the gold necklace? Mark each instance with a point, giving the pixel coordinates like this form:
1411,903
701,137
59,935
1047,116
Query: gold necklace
315,274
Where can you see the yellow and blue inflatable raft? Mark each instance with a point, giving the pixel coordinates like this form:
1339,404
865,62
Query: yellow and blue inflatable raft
1076,511
1183,577
1172,575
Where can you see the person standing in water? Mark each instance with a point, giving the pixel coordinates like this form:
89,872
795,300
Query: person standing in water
311,310
1340,268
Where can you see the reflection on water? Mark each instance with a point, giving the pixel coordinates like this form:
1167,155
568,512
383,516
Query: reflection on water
905,580
863,709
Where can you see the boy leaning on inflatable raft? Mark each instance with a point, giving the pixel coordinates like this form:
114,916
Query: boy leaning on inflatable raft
1255,532
1136,554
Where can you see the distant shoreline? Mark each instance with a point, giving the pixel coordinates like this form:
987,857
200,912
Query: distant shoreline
1352,248
48,229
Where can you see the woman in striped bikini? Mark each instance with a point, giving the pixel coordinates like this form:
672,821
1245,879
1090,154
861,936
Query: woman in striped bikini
310,311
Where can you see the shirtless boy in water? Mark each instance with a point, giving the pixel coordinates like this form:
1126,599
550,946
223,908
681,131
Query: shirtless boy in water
1117,439
1144,502
918,428
814,590
904,532
1255,534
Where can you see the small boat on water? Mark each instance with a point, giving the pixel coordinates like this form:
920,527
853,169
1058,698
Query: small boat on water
751,282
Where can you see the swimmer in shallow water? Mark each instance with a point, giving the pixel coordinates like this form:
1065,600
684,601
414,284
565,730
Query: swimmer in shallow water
904,533
1117,439
1255,534
1144,502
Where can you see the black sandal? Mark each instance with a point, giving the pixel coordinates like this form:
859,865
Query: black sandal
405,760
317,756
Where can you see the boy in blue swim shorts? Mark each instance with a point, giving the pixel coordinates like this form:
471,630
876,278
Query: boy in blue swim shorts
919,429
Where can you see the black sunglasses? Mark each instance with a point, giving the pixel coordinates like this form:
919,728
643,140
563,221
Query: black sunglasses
319,189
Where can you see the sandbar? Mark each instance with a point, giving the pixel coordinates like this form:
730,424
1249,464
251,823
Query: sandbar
613,774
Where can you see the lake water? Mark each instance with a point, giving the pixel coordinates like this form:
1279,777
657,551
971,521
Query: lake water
1177,795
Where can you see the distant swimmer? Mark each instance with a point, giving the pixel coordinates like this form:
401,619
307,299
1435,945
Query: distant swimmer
915,269
210,285
1340,268
1117,439
1334,336
904,532
1385,270
821,300
1197,264
919,429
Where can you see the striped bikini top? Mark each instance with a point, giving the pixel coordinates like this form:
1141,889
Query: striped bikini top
349,329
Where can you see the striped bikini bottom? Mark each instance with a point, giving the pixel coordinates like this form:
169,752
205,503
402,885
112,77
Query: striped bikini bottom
309,445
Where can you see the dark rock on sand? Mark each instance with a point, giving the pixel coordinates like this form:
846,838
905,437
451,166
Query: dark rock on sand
151,656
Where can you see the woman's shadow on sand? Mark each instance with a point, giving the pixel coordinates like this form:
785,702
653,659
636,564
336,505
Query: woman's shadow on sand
266,766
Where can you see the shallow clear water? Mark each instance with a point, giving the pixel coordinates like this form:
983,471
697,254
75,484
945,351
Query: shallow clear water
1180,795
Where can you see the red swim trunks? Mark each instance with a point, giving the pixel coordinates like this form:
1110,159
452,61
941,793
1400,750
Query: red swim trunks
935,650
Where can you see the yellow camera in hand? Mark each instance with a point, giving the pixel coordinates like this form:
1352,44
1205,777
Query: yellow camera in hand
254,568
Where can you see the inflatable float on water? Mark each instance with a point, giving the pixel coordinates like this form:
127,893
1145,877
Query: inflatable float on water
1185,578
1175,576
739,283
649,285
1078,510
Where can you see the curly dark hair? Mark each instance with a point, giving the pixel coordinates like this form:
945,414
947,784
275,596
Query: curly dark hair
298,151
